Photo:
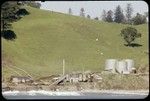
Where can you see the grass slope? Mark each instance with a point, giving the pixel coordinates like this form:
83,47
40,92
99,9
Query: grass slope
44,38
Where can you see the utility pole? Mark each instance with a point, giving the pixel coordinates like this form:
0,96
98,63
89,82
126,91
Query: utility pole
82,70
63,66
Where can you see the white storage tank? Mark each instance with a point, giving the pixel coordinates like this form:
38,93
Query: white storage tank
121,66
110,64
130,64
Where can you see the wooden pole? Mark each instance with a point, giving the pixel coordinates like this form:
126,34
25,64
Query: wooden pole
83,70
63,66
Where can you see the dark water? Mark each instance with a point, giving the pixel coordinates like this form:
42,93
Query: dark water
83,96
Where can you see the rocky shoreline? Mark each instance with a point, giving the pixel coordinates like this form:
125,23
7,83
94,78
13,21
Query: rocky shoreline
71,88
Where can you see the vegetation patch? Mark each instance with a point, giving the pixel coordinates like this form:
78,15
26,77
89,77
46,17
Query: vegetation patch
125,82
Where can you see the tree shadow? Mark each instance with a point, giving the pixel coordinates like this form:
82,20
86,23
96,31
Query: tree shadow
8,35
22,12
133,45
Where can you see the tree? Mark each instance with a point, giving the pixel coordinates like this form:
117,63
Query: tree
109,17
139,19
11,11
88,16
146,15
8,34
96,18
130,34
22,12
34,4
104,15
82,12
8,14
37,5
70,11
118,15
129,11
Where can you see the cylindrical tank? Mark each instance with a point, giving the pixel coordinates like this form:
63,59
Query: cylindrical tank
80,77
121,66
130,64
110,64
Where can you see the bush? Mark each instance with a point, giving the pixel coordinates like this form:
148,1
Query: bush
22,12
139,19
130,34
8,35
96,18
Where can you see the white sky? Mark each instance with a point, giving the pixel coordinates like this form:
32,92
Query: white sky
93,8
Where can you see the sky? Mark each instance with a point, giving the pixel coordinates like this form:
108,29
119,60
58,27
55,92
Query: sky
93,8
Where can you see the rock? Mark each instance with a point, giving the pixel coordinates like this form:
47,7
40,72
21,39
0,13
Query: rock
97,78
46,83
35,83
5,87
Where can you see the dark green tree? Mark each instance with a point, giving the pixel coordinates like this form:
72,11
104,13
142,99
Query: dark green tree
34,4
8,14
118,15
104,15
82,12
88,16
96,18
130,34
129,11
70,11
139,19
109,17
146,14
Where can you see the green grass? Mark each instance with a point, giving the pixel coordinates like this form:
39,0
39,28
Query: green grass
45,38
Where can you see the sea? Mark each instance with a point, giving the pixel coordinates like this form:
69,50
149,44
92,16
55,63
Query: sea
70,95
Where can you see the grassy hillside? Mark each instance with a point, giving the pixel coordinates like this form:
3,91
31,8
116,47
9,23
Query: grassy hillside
45,38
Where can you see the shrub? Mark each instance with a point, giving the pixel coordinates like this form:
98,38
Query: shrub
130,34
